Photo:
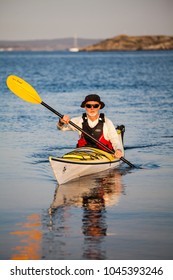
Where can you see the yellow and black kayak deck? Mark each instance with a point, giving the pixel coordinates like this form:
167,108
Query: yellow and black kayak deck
86,155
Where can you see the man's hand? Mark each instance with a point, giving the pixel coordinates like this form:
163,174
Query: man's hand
118,154
64,120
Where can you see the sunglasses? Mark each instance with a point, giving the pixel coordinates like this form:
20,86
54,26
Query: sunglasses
92,105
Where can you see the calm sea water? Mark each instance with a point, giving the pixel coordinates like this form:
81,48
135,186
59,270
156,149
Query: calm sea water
122,214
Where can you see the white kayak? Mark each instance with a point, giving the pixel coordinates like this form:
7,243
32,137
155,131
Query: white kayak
81,162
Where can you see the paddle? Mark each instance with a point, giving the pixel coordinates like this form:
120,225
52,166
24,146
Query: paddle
25,91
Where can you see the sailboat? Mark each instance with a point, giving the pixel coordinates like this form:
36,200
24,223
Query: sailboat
75,48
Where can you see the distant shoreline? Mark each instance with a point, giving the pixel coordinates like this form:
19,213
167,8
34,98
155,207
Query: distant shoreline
81,51
62,44
117,43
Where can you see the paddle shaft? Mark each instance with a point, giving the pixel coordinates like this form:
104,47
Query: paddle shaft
81,130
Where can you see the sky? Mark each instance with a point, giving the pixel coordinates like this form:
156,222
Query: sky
95,19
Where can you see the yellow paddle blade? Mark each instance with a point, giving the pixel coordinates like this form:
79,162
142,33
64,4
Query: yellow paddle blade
23,90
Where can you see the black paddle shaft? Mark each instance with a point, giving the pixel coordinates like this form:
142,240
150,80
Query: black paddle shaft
80,129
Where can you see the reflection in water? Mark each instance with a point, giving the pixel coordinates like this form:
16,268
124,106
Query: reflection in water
107,186
89,198
94,214
77,224
94,225
30,237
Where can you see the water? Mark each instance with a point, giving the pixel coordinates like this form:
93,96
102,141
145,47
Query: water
122,214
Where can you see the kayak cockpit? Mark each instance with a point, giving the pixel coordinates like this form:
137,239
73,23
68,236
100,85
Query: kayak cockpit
88,154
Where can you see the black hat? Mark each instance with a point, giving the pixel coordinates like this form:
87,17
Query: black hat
93,97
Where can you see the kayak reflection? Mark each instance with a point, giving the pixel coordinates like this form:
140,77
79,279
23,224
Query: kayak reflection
93,194
89,192
80,209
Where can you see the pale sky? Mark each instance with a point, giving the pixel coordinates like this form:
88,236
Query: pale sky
51,19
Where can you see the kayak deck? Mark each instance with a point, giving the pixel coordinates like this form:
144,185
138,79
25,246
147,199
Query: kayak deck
88,154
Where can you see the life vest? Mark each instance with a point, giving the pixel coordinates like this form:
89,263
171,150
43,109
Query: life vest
96,132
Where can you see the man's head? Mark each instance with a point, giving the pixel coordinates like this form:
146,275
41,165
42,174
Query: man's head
92,99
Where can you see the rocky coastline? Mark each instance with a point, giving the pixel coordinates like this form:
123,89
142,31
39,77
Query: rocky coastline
132,43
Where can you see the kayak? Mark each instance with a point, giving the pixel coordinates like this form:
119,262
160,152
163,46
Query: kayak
82,162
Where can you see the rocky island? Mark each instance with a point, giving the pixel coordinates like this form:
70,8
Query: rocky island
132,43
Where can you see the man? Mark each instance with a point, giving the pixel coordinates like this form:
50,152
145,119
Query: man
95,124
